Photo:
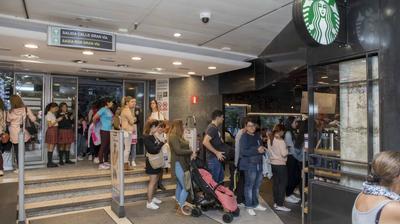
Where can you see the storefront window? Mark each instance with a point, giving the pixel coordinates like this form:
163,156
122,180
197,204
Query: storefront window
345,112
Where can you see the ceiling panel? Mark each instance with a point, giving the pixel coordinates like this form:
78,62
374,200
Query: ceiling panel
162,18
254,37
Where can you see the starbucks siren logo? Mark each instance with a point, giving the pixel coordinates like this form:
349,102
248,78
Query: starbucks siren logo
322,21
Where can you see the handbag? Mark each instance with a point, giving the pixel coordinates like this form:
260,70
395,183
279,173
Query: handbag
30,126
187,181
156,160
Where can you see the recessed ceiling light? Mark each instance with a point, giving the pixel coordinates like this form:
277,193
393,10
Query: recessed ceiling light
177,63
323,83
131,88
122,65
136,58
252,79
88,52
226,48
123,30
158,69
212,67
191,73
30,56
177,34
324,77
31,46
79,61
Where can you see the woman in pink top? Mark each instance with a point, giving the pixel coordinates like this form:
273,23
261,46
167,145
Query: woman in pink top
16,117
278,156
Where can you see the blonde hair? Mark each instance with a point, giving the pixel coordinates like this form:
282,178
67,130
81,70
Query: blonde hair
176,128
386,167
125,100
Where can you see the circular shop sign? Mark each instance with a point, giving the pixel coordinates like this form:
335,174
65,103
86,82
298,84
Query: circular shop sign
317,20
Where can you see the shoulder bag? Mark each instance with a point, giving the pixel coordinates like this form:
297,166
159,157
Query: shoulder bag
156,160
30,126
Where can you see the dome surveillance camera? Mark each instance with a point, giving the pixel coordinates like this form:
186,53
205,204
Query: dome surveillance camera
205,17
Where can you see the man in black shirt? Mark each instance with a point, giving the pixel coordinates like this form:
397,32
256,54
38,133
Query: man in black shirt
214,144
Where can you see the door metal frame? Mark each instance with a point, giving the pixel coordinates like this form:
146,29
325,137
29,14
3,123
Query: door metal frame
76,107
43,76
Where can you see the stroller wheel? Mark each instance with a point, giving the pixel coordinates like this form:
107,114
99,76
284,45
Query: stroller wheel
236,213
227,218
204,208
196,212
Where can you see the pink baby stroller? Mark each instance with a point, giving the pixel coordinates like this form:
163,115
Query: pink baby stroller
215,195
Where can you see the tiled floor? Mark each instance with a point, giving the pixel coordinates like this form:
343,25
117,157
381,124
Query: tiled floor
293,217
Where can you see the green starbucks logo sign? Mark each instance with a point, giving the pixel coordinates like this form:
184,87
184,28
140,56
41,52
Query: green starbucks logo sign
320,18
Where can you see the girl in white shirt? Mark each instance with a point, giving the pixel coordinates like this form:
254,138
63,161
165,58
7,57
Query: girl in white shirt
51,132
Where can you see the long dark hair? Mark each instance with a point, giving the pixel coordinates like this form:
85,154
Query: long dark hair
49,106
63,104
155,101
288,128
277,128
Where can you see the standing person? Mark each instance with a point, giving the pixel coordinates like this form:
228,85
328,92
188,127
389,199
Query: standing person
155,111
2,132
16,118
82,130
278,157
293,169
214,145
105,115
240,184
65,133
379,202
51,132
251,159
127,126
135,113
181,156
157,115
162,137
153,146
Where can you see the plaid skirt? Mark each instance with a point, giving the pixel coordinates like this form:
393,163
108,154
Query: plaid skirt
51,135
65,136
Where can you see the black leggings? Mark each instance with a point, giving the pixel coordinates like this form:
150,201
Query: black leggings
294,174
279,180
15,146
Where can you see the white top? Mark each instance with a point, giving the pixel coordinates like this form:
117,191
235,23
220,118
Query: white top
157,116
50,117
367,217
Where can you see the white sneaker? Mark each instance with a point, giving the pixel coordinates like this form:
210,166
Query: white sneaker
107,164
297,191
251,212
80,158
90,157
16,171
96,160
275,206
283,209
241,205
103,167
291,200
260,208
156,200
152,206
1,172
133,163
294,197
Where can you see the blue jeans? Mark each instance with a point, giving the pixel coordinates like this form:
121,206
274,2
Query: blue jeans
216,169
133,153
81,146
180,193
252,184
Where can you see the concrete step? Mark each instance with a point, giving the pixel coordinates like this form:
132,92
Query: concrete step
39,208
83,189
32,190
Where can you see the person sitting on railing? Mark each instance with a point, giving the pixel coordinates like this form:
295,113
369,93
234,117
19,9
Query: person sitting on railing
379,202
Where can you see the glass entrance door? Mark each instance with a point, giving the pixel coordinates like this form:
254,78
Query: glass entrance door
65,90
30,87
137,90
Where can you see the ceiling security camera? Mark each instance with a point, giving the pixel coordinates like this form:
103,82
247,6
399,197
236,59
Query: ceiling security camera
205,17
